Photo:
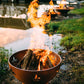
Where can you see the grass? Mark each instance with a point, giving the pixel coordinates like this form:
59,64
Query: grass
4,54
72,29
74,33
71,26
51,28
78,11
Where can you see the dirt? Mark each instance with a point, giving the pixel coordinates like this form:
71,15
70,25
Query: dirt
71,70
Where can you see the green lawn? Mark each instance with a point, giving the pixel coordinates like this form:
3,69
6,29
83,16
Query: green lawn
78,11
72,29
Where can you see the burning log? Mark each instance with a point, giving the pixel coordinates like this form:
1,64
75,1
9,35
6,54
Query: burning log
25,60
41,65
33,65
32,60
29,61
49,62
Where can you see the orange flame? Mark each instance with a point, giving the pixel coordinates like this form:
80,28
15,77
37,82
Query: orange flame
32,13
62,5
52,6
51,10
37,39
51,3
36,77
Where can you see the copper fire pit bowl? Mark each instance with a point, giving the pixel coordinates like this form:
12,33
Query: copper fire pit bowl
64,11
28,76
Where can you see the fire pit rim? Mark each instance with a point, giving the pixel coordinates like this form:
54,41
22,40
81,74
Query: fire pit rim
33,70
62,9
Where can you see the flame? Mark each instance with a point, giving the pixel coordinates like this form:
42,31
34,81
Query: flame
39,66
36,77
52,6
51,3
37,39
32,13
62,5
51,10
37,23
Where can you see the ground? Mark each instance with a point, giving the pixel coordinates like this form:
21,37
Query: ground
71,70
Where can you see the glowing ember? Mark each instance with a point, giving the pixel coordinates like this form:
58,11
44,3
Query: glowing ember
36,77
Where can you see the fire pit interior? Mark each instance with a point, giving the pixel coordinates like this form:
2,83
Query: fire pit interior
40,69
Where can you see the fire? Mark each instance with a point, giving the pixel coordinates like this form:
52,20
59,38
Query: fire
62,5
37,39
51,10
36,77
45,17
32,13
45,55
51,3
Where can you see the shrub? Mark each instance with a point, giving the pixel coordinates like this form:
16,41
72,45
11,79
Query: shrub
4,53
51,27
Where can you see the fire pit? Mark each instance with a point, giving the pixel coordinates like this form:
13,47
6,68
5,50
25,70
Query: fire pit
34,76
64,11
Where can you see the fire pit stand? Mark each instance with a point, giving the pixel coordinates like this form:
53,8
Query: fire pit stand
28,76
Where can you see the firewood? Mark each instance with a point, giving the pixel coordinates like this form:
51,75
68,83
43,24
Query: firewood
33,65
31,61
49,62
39,52
27,59
20,62
32,58
41,65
